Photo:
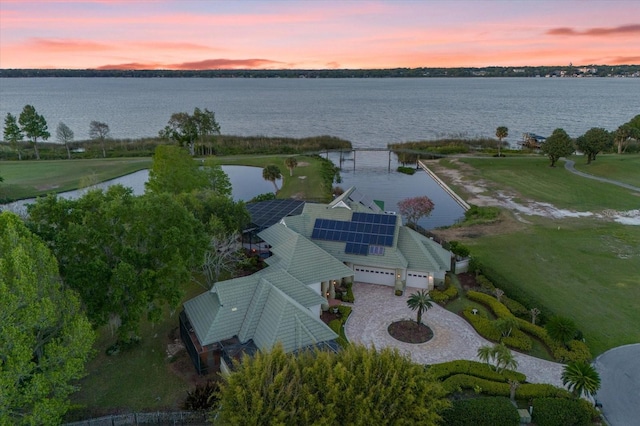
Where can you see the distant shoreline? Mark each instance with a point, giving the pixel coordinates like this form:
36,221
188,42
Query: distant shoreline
587,71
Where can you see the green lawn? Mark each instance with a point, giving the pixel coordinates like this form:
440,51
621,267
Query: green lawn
624,168
26,179
305,182
141,378
532,178
585,269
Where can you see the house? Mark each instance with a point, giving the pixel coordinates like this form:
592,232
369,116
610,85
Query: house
325,245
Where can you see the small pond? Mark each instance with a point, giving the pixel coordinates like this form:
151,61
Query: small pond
246,183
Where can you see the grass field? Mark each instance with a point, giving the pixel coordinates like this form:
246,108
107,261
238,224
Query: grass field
625,168
27,179
586,269
532,178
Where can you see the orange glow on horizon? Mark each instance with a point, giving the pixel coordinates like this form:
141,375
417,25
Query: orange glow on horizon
181,35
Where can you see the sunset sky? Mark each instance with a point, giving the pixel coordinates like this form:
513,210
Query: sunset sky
311,34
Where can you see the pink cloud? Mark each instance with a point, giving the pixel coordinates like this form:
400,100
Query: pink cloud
613,31
207,64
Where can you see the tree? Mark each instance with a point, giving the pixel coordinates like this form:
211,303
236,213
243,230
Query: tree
174,171
558,145
272,173
624,134
186,129
504,358
13,133
485,354
100,131
34,126
420,302
45,337
593,141
581,378
506,325
501,133
534,314
127,256
361,385
561,329
499,293
64,135
413,209
218,213
291,164
223,254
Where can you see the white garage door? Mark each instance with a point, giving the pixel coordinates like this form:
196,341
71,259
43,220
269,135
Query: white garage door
368,274
417,279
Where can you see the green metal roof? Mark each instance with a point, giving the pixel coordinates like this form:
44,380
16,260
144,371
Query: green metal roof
422,253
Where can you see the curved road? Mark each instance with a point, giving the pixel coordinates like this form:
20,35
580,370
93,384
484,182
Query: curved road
570,165
619,393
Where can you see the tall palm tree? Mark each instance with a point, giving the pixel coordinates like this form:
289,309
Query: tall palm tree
291,164
561,329
420,302
272,173
501,133
581,378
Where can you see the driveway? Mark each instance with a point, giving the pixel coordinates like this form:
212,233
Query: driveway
376,307
619,393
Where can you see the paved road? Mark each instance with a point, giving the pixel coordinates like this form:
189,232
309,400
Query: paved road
570,165
376,307
619,393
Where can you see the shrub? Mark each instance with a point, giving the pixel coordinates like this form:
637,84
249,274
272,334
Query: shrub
485,284
516,308
407,170
459,249
474,368
349,297
477,214
500,310
525,391
443,296
203,397
562,412
483,325
518,340
484,411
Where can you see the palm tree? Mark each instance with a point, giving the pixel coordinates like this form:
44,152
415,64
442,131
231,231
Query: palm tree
506,325
291,164
504,358
485,354
501,133
561,329
581,378
421,302
272,173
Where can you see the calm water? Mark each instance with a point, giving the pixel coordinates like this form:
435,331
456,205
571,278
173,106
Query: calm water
246,182
368,112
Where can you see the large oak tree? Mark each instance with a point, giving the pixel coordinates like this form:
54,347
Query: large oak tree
34,126
558,145
127,256
45,337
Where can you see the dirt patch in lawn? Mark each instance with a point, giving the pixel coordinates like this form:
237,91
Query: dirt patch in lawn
410,331
468,281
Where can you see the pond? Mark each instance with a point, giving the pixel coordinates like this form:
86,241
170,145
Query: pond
246,183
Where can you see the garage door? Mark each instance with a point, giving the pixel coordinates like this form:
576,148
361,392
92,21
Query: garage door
367,274
417,279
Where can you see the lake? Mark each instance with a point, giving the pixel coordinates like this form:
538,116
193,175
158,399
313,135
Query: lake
368,112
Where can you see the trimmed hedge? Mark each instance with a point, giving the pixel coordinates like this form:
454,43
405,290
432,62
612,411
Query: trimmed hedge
473,368
443,296
516,308
578,351
337,325
562,412
484,411
500,310
525,391
349,297
483,325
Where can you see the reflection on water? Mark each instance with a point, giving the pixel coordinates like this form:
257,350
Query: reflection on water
374,173
246,183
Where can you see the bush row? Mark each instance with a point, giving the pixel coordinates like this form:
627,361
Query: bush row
483,325
442,297
484,411
563,412
473,368
337,325
525,391
577,351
